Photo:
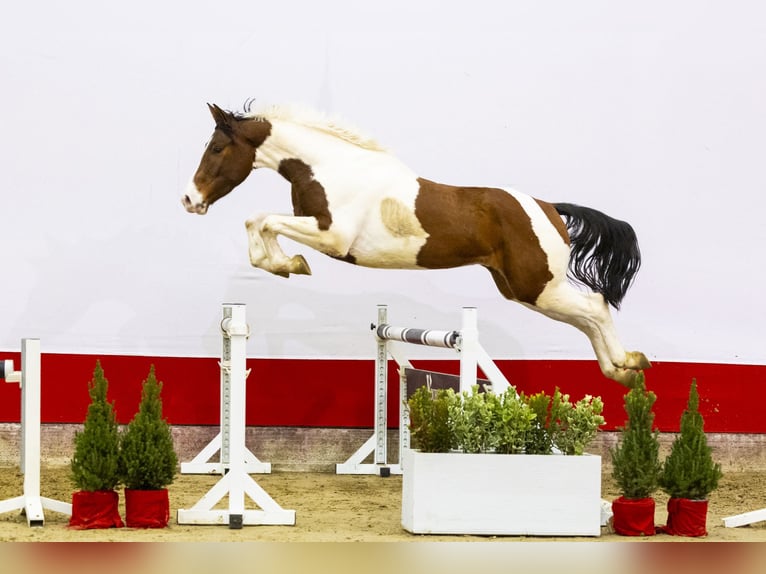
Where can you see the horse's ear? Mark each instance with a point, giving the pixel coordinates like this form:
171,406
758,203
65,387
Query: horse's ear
221,117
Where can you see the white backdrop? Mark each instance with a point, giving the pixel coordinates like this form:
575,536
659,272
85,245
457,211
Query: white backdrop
650,111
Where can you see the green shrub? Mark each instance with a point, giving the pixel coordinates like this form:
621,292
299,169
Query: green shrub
95,461
636,465
476,422
539,439
574,426
147,458
474,419
515,422
429,419
689,470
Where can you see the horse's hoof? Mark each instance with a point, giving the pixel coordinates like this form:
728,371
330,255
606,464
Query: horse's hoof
626,377
299,265
636,361
284,274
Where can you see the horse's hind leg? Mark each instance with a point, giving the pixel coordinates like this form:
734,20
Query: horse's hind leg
590,314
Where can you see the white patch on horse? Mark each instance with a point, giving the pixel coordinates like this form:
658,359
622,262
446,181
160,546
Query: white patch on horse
194,202
375,221
310,118
550,240
391,236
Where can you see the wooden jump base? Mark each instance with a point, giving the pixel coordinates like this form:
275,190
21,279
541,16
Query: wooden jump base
235,482
30,502
472,355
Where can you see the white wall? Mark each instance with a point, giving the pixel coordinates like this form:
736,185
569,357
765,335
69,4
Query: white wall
650,111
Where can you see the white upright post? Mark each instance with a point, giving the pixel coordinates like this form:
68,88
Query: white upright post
221,443
467,347
236,483
377,444
381,395
31,503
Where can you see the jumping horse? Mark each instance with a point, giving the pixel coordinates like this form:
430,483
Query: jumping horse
355,201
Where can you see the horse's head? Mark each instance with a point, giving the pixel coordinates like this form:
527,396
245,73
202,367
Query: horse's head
228,158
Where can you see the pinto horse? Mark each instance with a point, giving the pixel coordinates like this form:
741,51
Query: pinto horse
354,201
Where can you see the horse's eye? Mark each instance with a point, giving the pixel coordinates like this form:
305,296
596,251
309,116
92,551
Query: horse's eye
217,149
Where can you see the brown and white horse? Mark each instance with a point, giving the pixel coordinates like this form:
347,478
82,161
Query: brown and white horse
354,201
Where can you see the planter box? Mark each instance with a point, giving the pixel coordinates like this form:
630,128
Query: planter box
496,494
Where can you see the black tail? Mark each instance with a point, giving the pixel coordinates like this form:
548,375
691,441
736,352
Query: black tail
605,254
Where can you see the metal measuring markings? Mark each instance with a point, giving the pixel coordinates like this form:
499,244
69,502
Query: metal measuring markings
381,395
225,366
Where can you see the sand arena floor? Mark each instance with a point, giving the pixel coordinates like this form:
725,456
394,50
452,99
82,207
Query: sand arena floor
343,508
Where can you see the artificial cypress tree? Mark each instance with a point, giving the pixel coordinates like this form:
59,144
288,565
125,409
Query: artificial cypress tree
95,460
636,465
147,458
689,470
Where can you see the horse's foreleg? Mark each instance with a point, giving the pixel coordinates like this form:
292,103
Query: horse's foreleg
590,314
264,229
266,253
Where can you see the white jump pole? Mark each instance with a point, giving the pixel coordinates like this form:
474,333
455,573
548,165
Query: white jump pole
236,483
30,502
465,342
745,519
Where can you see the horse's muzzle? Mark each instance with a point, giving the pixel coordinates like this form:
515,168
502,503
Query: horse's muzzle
198,208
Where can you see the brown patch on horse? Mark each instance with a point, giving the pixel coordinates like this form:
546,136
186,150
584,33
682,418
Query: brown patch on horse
254,130
230,154
485,226
308,195
399,219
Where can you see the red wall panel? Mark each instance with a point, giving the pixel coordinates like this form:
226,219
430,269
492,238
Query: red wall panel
339,393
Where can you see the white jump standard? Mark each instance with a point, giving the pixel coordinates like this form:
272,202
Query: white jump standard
236,483
472,355
30,502
221,443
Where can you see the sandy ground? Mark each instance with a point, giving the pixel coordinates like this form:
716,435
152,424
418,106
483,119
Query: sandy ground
333,508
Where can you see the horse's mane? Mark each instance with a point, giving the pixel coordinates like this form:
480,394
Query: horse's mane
313,119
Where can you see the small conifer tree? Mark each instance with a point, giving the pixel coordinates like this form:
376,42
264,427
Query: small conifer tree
147,458
689,470
635,460
95,460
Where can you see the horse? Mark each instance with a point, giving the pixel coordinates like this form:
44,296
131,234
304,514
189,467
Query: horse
355,201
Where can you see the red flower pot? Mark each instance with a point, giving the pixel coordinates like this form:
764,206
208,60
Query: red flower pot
687,517
147,508
97,509
633,517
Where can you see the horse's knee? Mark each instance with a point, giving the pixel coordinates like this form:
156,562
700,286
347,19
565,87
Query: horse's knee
253,223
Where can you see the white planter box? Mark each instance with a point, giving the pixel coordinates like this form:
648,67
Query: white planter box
516,494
